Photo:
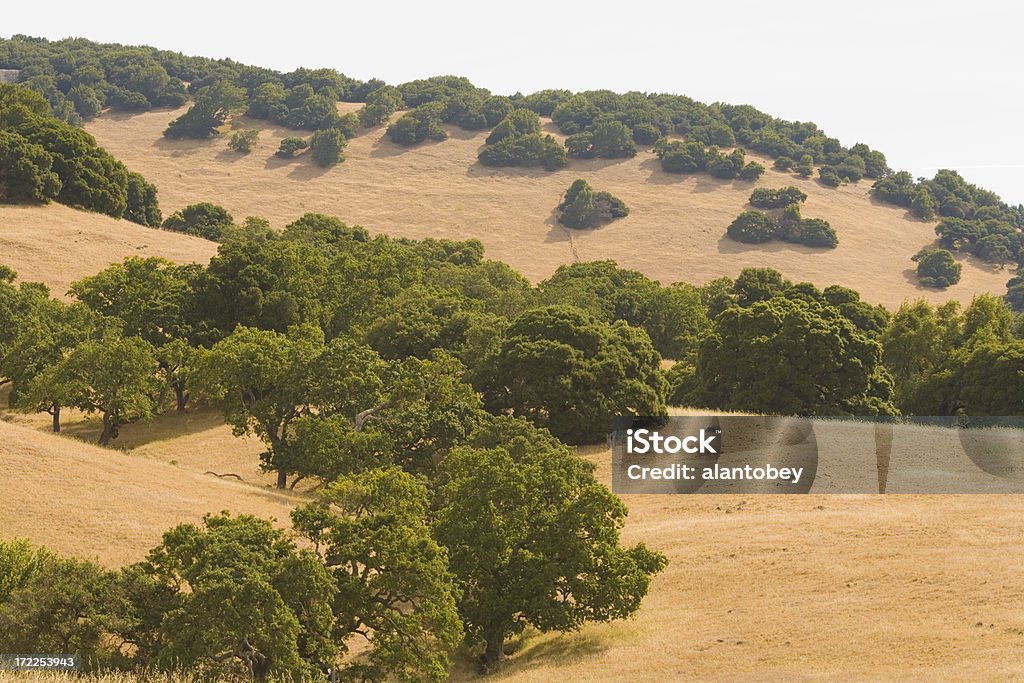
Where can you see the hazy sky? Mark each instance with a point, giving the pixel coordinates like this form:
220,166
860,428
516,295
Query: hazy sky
931,85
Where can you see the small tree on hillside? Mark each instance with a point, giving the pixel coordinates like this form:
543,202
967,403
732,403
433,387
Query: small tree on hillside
290,147
328,147
584,208
242,141
937,268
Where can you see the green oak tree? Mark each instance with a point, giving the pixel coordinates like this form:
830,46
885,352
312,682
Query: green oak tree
534,537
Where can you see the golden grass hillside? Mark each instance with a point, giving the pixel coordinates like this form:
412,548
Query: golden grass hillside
675,230
57,245
104,504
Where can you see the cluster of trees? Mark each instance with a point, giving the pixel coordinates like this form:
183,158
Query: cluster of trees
946,195
678,156
993,240
415,381
787,224
581,207
948,361
517,141
42,158
80,78
936,268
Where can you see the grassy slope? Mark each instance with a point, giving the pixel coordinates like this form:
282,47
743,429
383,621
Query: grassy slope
104,504
675,230
58,245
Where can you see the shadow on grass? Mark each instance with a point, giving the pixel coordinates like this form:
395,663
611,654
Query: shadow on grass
170,425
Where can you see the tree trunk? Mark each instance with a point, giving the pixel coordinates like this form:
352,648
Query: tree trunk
108,429
181,396
282,479
56,418
495,651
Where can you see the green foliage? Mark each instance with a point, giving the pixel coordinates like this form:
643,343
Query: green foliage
380,105
420,124
142,206
534,538
243,140
89,177
396,590
726,166
674,317
290,147
212,106
606,139
811,232
829,177
936,268
531,149
791,356
563,369
26,171
328,147
581,207
752,171
752,227
681,157
766,198
114,376
204,219
516,122
923,205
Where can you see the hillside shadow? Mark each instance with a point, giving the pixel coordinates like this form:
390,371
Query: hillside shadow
456,133
162,427
727,245
564,649
384,148
274,162
478,170
230,156
182,145
309,171
910,275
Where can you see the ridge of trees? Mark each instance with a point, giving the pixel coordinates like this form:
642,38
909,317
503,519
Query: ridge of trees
43,158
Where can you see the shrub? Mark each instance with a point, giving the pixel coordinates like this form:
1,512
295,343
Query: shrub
583,208
212,106
784,163
422,123
811,232
496,108
202,220
646,134
923,204
580,145
767,198
612,140
725,166
328,147
828,176
380,105
290,147
805,170
937,268
516,122
752,227
243,140
899,189
752,171
681,157
792,213
533,149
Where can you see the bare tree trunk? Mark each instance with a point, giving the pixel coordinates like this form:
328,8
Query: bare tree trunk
56,418
495,651
108,429
181,396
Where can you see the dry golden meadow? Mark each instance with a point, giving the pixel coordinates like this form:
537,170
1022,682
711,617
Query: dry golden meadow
758,587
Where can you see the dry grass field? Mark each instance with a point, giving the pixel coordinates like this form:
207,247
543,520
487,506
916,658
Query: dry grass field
675,230
58,245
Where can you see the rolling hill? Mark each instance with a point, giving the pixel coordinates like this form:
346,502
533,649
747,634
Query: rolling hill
57,245
675,230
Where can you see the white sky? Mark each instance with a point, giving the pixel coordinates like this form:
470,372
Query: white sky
929,84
